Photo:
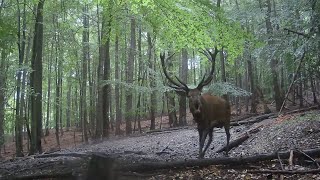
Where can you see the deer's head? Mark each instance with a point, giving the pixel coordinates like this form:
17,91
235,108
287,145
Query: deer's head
193,95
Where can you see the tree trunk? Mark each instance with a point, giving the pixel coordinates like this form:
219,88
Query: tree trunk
129,76
184,77
117,87
84,79
2,94
36,82
273,63
49,91
57,82
68,110
300,88
153,95
21,48
99,103
313,88
252,86
173,121
106,31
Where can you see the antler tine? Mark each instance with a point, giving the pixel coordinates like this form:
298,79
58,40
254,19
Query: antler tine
212,57
182,83
173,84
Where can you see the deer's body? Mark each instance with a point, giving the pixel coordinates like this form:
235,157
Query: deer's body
208,111
215,111
212,111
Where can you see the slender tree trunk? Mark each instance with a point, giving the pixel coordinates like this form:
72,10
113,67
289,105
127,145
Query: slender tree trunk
2,95
99,103
252,86
313,88
246,85
57,82
21,49
85,59
300,88
68,110
153,103
273,63
106,30
129,76
184,77
36,82
49,91
117,87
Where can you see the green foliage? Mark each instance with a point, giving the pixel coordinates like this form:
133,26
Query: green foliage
227,88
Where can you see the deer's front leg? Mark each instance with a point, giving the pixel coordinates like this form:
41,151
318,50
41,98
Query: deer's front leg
202,138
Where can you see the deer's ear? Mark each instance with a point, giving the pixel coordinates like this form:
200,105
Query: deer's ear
181,93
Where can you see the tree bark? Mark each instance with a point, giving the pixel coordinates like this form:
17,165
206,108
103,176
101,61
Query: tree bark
49,91
106,31
84,79
129,76
57,82
153,95
252,86
2,94
21,49
68,110
36,82
273,63
117,87
184,77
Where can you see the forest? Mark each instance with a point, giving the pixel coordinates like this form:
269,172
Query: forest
115,76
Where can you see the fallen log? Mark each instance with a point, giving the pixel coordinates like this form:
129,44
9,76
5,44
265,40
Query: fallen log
253,120
243,137
156,166
72,154
268,171
301,110
244,117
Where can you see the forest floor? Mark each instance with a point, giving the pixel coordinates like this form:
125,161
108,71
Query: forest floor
299,131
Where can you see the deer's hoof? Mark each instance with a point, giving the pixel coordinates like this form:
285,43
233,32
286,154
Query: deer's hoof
226,154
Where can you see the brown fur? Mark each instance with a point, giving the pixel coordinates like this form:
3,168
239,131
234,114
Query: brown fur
209,112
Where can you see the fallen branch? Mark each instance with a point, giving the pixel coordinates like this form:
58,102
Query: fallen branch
66,175
167,130
267,171
301,110
296,32
280,161
253,120
244,117
243,137
306,155
81,155
291,160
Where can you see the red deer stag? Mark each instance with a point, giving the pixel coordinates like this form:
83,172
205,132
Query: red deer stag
208,111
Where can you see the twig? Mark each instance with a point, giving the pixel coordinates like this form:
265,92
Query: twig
280,161
291,160
308,157
296,32
293,80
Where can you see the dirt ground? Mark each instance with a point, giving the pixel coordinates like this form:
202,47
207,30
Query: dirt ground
300,130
